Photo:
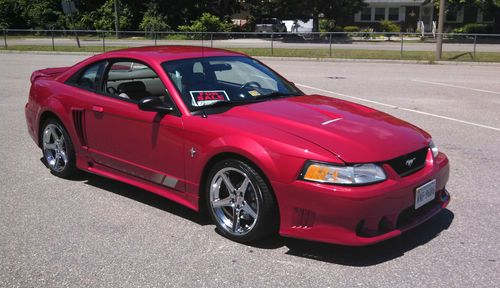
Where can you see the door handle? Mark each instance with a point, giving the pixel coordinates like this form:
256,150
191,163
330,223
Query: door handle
97,108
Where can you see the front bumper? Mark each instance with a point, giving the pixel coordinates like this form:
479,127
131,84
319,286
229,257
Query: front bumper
361,215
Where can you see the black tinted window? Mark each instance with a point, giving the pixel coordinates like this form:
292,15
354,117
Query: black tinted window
91,77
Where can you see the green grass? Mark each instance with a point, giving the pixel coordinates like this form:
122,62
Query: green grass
309,53
371,54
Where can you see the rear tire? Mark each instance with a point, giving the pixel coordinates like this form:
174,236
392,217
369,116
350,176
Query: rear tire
240,202
57,148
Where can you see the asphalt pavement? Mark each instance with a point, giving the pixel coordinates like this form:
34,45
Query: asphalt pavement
95,232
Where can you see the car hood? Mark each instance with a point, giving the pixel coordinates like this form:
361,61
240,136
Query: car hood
353,132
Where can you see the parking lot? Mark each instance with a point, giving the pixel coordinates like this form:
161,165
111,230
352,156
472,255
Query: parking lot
95,232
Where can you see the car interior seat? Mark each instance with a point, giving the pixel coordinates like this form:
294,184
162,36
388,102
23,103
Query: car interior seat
134,90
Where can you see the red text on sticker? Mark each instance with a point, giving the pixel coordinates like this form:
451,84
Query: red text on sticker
203,96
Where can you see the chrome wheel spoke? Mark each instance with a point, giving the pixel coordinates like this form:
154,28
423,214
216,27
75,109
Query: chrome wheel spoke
50,146
54,134
228,183
46,135
236,220
244,186
64,157
222,202
56,162
249,211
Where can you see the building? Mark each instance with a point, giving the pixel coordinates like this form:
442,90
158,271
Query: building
408,13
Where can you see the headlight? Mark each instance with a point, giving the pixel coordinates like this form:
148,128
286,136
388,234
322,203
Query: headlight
434,149
348,175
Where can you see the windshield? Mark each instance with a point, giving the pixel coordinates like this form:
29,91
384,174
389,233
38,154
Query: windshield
220,81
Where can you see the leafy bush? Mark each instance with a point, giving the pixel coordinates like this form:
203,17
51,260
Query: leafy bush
351,29
474,28
389,26
365,32
207,23
326,25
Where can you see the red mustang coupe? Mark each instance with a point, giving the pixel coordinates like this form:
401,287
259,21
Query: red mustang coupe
217,129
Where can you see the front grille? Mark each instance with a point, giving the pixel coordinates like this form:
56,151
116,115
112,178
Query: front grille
409,215
409,163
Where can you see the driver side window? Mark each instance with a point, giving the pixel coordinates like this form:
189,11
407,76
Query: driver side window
133,81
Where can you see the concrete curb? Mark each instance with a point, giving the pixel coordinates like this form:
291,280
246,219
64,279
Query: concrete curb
333,60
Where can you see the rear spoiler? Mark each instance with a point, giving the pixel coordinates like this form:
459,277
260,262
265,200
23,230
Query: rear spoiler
47,73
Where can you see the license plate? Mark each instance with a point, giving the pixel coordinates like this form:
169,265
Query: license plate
425,194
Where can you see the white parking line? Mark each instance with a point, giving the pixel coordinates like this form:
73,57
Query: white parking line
456,86
400,108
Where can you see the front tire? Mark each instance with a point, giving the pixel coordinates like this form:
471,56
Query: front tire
58,151
240,202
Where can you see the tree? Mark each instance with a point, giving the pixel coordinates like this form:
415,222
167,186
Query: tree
44,14
103,17
153,20
484,5
12,14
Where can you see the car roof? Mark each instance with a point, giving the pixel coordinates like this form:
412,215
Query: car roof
161,54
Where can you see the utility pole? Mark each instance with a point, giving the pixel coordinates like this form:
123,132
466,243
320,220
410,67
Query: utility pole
69,8
117,24
439,42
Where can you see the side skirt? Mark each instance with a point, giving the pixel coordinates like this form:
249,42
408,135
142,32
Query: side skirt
185,199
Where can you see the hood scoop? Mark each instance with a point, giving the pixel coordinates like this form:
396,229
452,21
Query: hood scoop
331,121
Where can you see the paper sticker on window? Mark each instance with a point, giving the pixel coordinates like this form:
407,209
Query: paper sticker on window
254,93
204,98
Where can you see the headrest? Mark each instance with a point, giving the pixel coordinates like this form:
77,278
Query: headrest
198,77
134,86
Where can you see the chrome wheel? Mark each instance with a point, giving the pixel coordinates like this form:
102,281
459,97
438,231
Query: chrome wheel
234,201
54,148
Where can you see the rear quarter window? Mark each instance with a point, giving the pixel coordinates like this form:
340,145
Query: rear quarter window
89,78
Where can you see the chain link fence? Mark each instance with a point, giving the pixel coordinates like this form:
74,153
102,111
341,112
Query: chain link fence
323,44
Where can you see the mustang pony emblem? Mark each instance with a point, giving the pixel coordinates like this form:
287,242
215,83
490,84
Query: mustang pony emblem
409,162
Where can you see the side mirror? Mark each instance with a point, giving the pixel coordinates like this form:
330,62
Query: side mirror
154,104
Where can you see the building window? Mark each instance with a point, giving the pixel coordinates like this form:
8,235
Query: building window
379,14
394,14
485,17
376,14
366,14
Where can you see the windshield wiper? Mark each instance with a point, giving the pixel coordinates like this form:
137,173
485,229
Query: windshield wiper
275,94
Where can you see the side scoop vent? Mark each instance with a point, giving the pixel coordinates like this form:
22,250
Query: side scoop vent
303,218
79,122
